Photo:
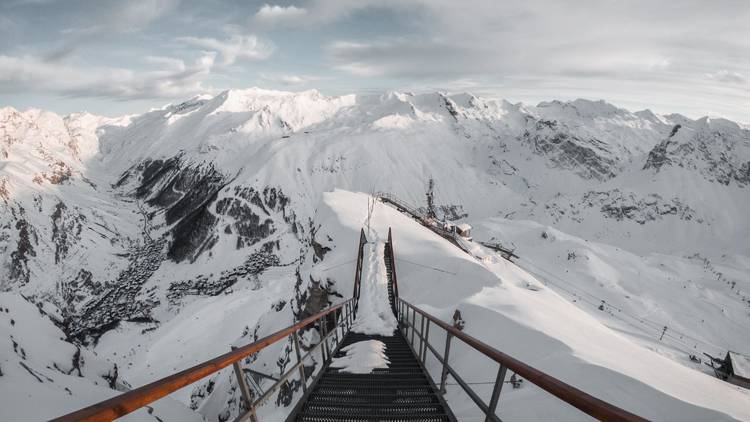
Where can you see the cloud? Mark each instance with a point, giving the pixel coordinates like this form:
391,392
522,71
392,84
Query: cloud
584,39
321,12
138,13
33,74
289,80
233,48
274,14
727,76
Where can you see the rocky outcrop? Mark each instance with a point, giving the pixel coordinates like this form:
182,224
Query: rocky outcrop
588,158
66,230
19,258
718,151
184,192
620,206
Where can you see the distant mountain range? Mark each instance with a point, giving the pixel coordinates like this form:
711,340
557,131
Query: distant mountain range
112,221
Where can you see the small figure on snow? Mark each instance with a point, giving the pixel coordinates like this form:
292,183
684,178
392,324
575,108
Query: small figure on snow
515,381
458,322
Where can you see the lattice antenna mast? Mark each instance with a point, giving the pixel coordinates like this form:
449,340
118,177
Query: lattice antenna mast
431,199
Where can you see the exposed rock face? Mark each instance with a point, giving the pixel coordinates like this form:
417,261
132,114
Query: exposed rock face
66,229
658,156
588,158
718,150
251,211
27,238
621,205
185,192
317,300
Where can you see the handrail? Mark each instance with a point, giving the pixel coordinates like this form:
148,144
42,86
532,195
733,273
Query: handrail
393,287
583,401
130,401
358,270
414,212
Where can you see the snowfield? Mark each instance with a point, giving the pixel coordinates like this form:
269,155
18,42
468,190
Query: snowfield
131,248
538,326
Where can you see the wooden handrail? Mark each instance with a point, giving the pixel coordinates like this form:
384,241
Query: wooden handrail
358,268
130,401
394,279
585,402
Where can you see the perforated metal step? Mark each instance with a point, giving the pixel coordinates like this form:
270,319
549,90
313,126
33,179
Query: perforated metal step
400,393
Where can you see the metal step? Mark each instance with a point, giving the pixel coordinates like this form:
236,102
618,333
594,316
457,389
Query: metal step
388,409
402,392
303,417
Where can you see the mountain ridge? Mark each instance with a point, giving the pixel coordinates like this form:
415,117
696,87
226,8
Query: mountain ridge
117,226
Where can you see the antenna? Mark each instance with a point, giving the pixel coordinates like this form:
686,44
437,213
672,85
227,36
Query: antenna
431,199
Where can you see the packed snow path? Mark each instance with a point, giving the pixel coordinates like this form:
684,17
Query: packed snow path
375,315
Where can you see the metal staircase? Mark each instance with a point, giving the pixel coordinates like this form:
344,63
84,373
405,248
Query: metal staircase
401,392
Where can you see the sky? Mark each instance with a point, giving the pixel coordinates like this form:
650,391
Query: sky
114,57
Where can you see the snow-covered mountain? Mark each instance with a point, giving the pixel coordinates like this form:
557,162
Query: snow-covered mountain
138,237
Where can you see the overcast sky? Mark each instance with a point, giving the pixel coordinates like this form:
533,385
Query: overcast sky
113,56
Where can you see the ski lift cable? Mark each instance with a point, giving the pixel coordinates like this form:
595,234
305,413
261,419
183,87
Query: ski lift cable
339,265
657,327
426,266
645,321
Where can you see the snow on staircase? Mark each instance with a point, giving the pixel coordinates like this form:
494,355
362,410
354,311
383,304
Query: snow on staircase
401,392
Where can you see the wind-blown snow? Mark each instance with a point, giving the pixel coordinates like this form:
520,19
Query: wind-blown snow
375,315
539,327
362,357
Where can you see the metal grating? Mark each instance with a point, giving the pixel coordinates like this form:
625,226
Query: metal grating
399,393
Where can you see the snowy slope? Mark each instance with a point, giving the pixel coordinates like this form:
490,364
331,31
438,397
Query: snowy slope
140,235
511,310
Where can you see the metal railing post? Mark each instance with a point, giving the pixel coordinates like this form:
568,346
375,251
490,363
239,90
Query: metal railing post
421,336
348,315
406,321
413,322
244,389
427,342
444,375
496,392
303,379
324,334
336,330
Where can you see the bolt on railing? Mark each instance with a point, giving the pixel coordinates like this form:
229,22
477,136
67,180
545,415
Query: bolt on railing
583,401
